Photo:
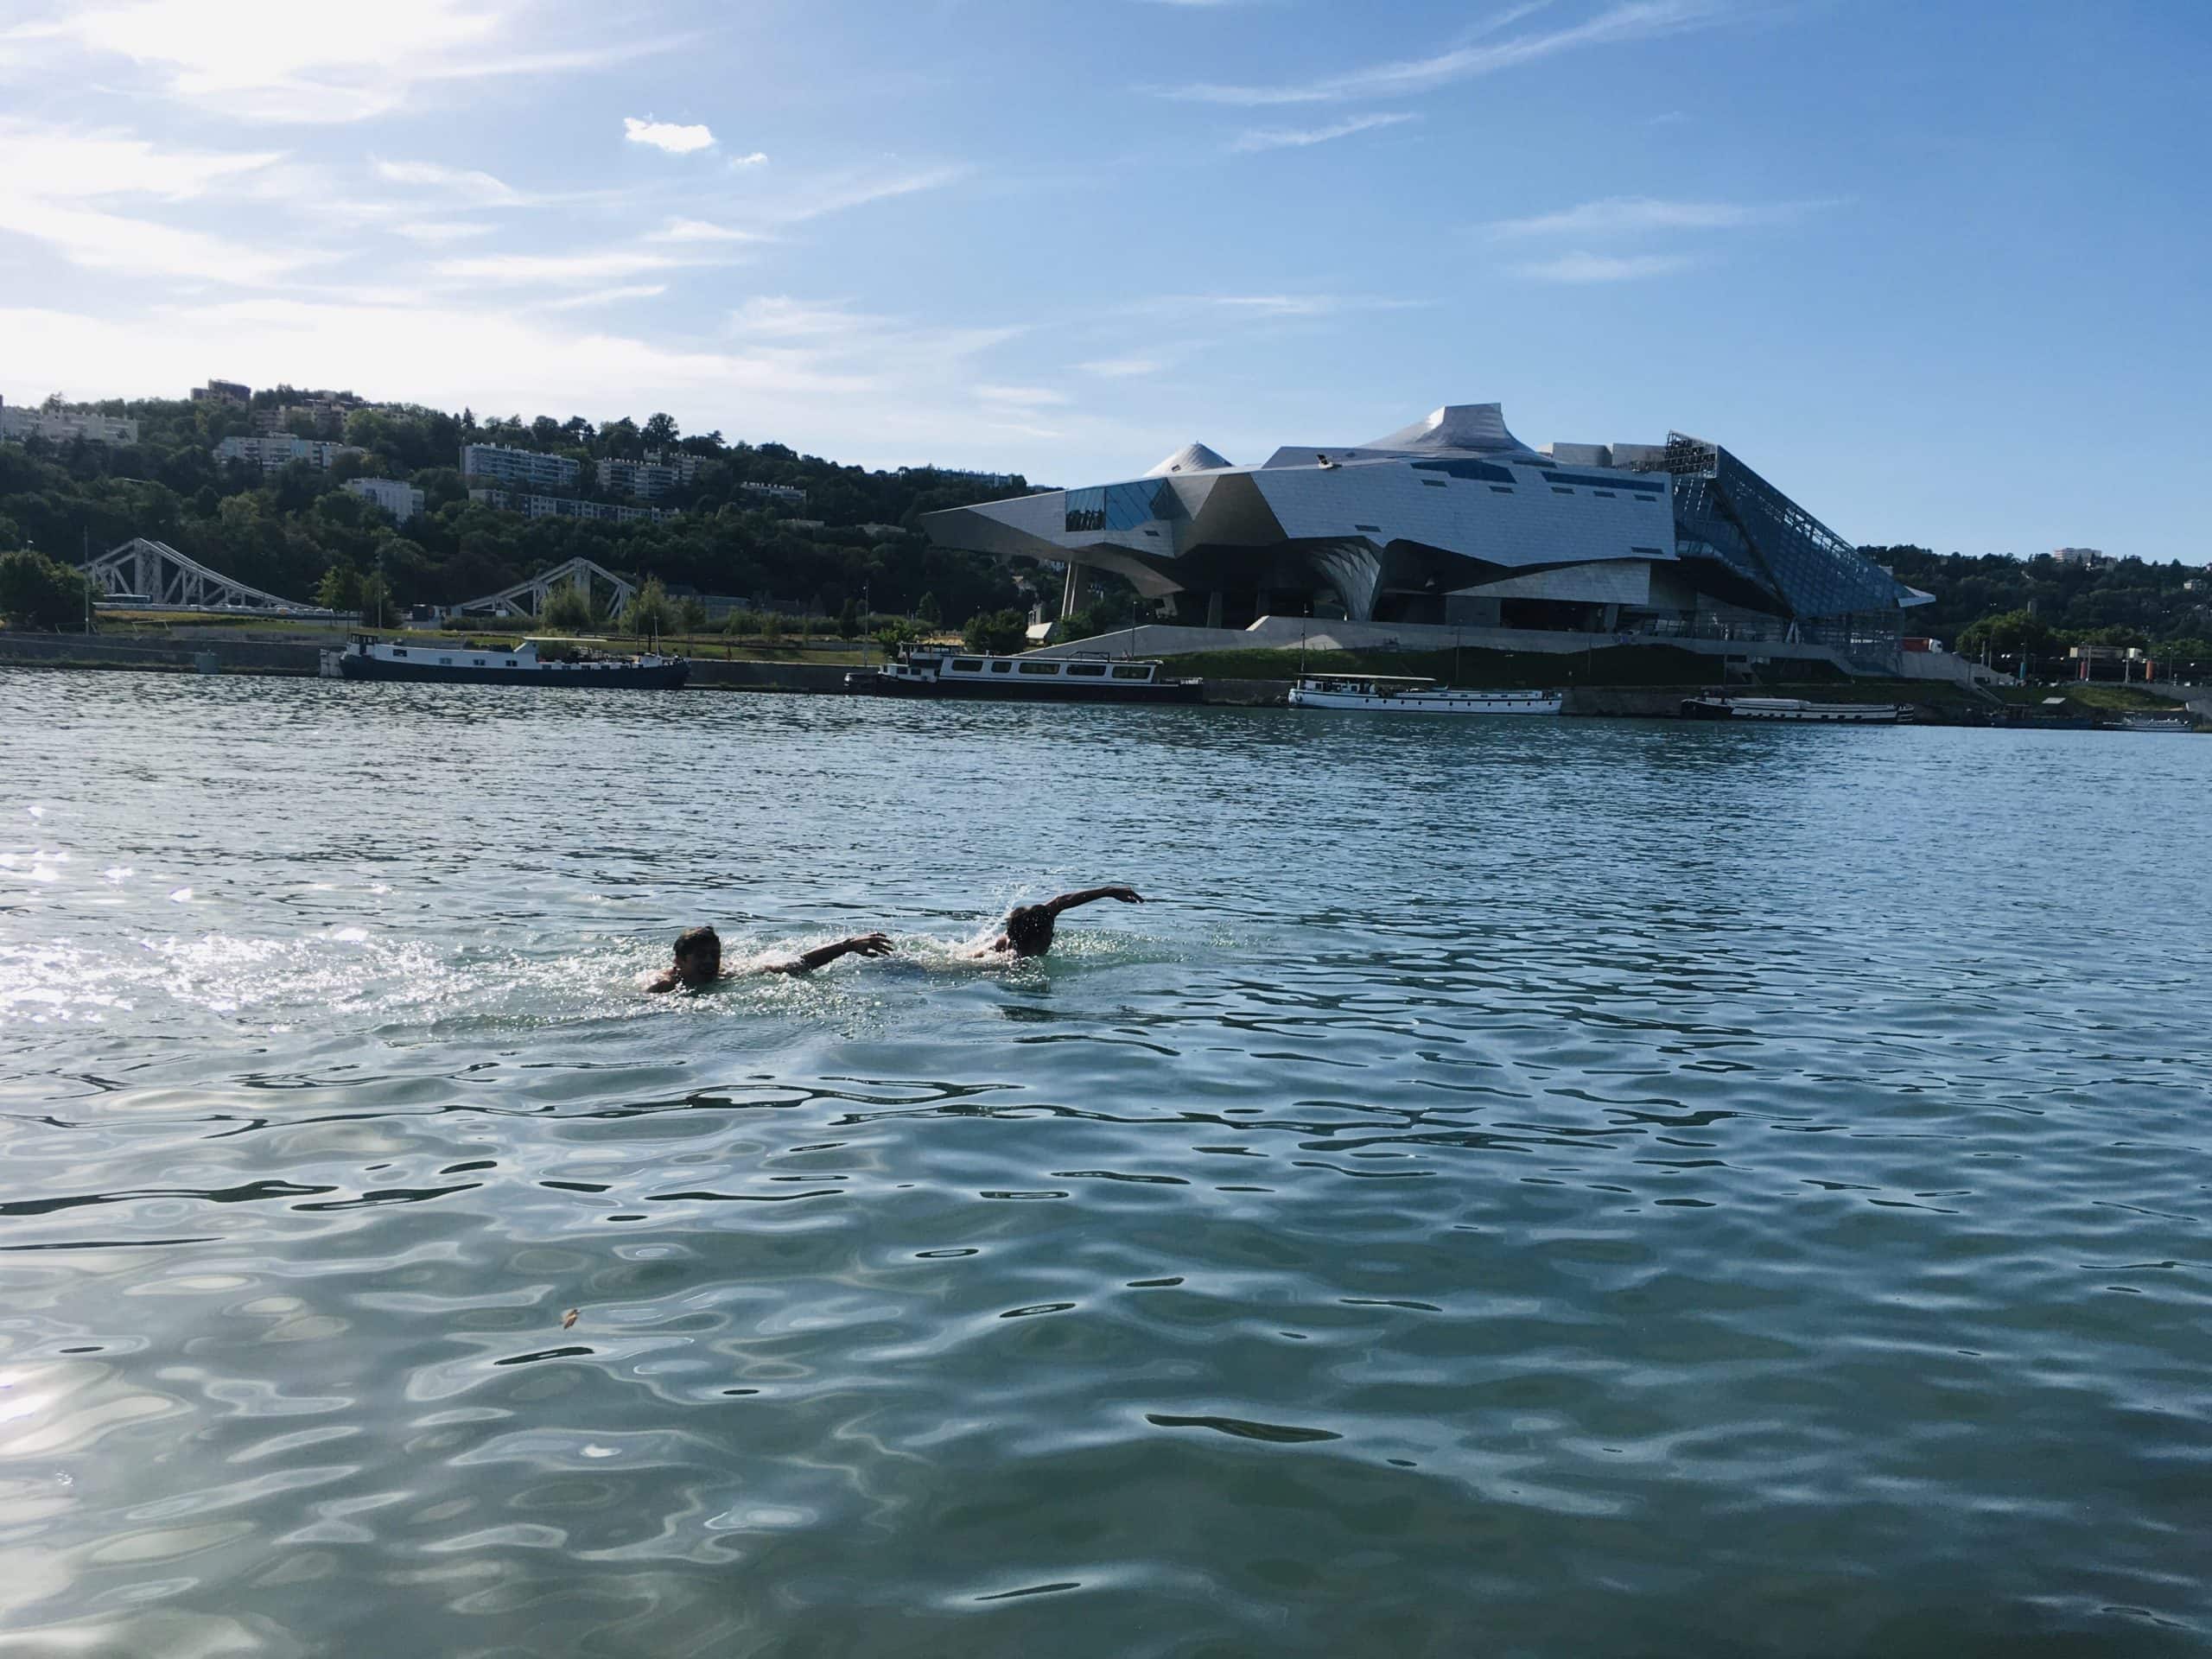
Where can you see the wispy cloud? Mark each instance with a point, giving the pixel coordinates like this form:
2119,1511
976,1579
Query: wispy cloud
1617,216
700,230
275,61
757,158
608,296
1022,397
837,194
441,230
479,188
666,136
1634,20
1298,137
1580,268
1269,305
1122,368
557,269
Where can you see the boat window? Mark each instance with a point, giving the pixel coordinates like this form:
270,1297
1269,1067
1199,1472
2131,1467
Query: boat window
1086,670
1001,668
400,650
510,662
479,662
1501,489
1040,668
445,662
1133,672
967,665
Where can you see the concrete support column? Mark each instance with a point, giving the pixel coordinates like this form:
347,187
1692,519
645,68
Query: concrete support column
1072,592
1213,609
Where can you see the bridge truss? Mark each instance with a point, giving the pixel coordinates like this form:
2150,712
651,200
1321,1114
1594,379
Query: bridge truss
161,578
530,598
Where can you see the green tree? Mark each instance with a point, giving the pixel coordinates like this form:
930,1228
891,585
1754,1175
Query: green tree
771,627
995,633
848,620
567,609
650,613
660,432
376,609
340,589
928,609
692,614
35,592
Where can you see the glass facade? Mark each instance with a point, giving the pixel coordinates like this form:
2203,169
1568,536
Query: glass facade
1121,506
1727,513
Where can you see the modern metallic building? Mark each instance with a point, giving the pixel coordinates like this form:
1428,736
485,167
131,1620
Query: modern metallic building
1453,520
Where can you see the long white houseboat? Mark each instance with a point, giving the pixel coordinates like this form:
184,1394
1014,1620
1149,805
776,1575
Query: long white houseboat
367,658
1719,706
935,672
1406,694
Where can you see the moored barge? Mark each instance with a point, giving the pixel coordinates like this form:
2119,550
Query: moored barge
928,672
367,658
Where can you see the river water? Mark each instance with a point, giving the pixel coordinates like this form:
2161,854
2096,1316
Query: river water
1517,1187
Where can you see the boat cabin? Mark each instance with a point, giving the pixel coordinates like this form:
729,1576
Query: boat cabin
945,665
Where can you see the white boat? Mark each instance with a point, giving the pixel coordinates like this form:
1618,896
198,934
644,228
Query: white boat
2157,723
934,672
1717,705
1406,693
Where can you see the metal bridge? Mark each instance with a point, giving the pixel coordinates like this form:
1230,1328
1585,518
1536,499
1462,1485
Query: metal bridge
530,598
156,577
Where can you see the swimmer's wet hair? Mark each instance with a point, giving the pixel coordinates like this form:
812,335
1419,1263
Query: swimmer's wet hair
1029,928
693,941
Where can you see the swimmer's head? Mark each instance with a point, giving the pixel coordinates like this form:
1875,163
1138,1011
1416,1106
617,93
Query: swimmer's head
698,956
1029,930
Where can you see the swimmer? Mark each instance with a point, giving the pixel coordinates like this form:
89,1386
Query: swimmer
1028,930
698,959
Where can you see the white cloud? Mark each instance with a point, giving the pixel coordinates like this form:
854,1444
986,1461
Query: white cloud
840,192
1632,20
279,60
63,163
667,135
479,188
440,230
1275,305
557,269
1603,268
700,230
608,296
1122,368
1290,137
1021,396
758,158
1636,215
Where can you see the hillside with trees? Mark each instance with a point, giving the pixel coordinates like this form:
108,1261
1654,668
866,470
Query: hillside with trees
2044,604
300,532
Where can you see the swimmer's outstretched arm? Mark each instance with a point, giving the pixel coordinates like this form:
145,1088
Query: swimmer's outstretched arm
1090,895
860,944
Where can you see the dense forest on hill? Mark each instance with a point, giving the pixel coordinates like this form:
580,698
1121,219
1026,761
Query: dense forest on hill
2046,602
286,532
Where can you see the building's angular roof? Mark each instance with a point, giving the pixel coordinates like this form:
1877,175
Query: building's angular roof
1455,429
1190,458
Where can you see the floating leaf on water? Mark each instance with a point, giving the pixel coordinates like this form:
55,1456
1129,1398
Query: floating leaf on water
567,1318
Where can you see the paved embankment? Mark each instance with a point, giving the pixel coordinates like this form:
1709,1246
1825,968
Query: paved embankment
157,656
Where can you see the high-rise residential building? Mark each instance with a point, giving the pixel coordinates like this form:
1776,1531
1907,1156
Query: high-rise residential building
402,501
222,391
504,464
61,425
2078,554
782,495
655,475
272,454
567,507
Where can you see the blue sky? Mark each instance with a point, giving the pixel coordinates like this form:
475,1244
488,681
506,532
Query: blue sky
1937,269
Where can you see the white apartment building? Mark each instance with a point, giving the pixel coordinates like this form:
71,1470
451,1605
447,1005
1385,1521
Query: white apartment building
566,507
783,495
658,473
510,466
402,501
272,454
61,425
